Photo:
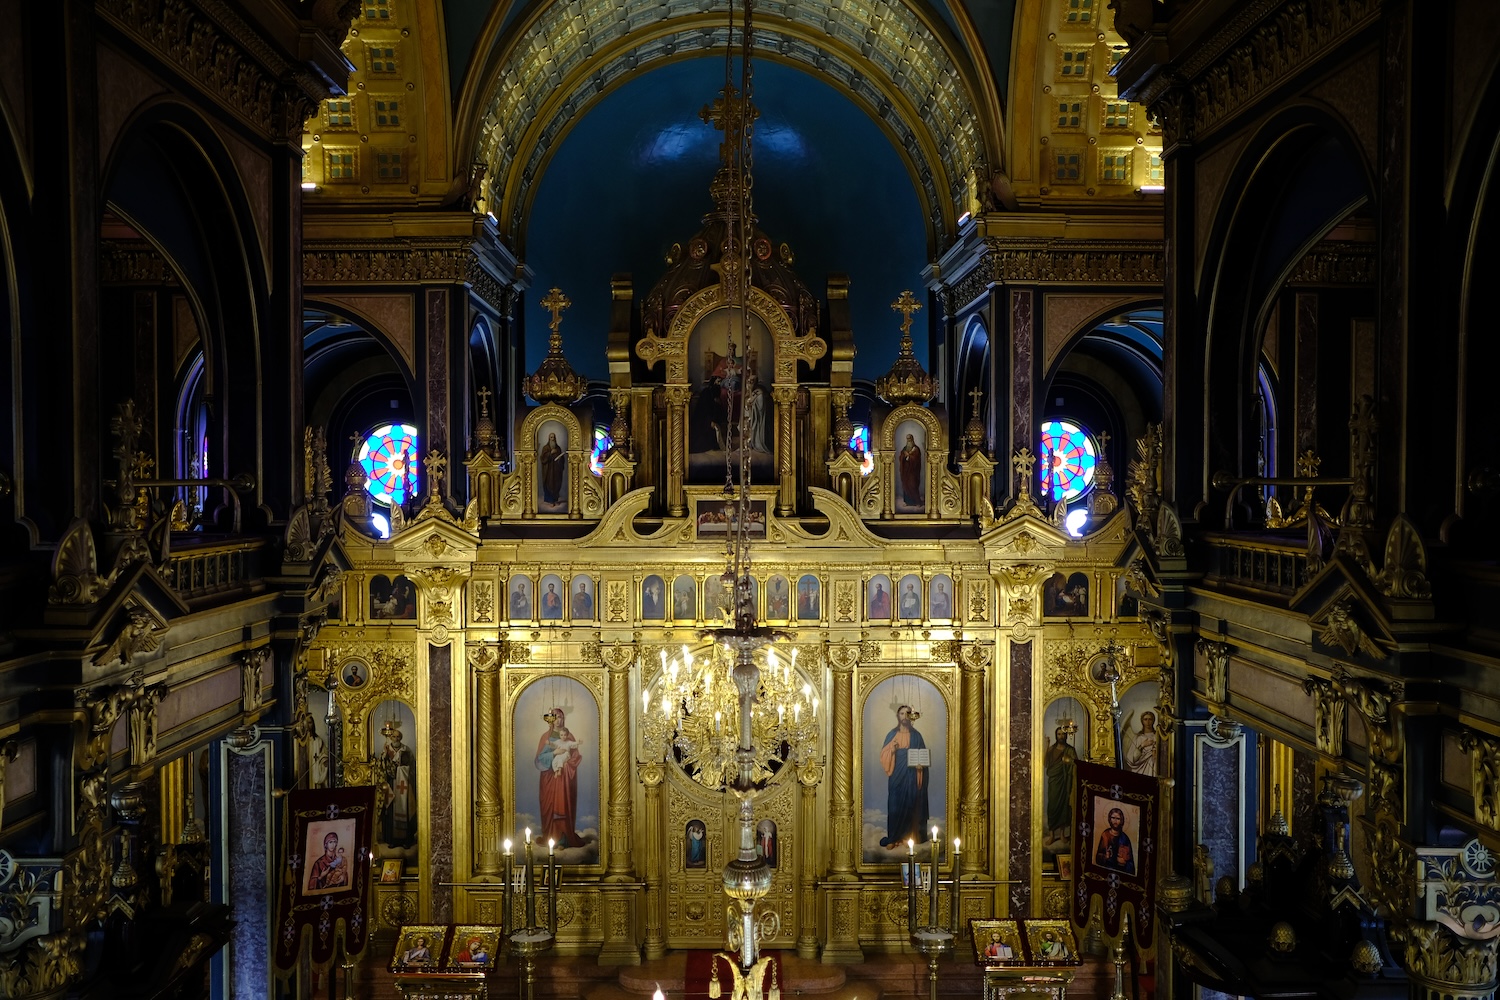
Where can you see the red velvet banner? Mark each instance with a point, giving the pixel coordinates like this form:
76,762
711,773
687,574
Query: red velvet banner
1114,847
325,881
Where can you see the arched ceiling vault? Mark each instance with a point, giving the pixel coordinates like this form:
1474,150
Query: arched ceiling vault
894,58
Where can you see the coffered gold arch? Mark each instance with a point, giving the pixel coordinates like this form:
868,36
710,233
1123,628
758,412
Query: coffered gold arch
900,63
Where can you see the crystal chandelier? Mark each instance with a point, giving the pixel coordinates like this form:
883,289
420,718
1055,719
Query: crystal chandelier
694,712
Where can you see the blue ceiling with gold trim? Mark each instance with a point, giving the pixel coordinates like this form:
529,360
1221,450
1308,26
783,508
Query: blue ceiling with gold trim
632,178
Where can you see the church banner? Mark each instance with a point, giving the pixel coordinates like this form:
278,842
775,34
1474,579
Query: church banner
326,877
1114,847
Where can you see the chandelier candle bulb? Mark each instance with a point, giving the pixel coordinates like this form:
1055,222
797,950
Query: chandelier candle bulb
815,707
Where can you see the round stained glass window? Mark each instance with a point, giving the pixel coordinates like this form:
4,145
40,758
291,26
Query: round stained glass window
389,457
1068,458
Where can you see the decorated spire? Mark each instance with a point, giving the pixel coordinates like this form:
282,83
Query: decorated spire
907,381
485,437
555,381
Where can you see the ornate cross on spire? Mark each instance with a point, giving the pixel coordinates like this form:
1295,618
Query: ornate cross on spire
484,400
555,381
727,114
436,464
907,381
975,395
555,303
906,305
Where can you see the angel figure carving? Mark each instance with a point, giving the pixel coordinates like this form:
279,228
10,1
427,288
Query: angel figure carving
138,636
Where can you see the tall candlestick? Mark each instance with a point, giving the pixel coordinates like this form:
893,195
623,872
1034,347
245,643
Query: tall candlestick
911,885
932,903
507,902
953,893
552,885
530,883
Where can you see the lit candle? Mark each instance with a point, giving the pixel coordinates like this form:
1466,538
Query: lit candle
911,885
506,892
953,895
718,720
552,885
932,894
645,701
815,708
797,713
780,714
530,883
658,995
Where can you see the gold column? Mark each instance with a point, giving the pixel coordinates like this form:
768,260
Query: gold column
485,662
173,815
974,812
842,897
809,776
677,401
785,397
618,890
651,777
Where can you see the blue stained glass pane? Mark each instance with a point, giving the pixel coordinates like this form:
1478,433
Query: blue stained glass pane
389,457
602,443
1068,460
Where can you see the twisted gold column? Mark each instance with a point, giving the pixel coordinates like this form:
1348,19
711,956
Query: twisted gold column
617,892
974,813
841,899
677,401
786,447
651,777
618,658
809,776
485,661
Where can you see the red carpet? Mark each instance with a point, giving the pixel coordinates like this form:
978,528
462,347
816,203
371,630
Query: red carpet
700,971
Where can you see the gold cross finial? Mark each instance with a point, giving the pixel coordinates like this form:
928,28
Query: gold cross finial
1024,461
484,400
976,394
1103,440
436,463
555,303
906,305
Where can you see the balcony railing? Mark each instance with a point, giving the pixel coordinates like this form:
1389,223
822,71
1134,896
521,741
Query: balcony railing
199,569
1260,563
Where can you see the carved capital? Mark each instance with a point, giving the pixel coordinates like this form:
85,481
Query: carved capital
843,656
1328,716
617,656
1216,659
1484,775
1439,959
252,665
485,658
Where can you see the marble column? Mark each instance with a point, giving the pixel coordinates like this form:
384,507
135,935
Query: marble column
245,773
1020,778
438,855
618,889
841,900
488,812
